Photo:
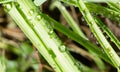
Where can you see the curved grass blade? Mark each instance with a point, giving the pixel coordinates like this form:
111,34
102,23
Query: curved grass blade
68,18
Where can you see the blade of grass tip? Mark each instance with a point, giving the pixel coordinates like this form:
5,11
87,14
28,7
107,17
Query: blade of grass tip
98,34
68,18
88,45
108,32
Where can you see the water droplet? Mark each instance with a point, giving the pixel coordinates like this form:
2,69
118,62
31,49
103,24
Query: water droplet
112,13
38,17
91,35
78,65
92,22
51,32
62,48
97,42
30,13
106,36
8,6
111,54
108,49
118,15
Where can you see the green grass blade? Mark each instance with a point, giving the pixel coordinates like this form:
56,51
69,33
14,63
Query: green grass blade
87,44
108,32
41,34
68,18
98,34
104,11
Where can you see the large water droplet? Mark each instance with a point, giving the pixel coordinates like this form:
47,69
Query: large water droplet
62,48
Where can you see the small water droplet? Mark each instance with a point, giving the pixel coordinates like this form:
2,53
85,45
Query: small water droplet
78,65
30,13
97,42
38,17
112,13
111,54
62,48
51,32
106,36
91,35
8,6
118,15
92,22
108,49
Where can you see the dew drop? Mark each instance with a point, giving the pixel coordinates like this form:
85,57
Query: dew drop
38,17
106,36
111,54
30,13
118,15
51,32
8,6
62,48
112,13
108,49
91,35
78,65
97,42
